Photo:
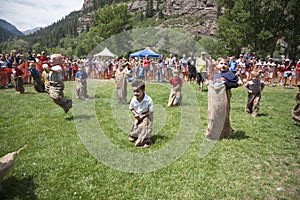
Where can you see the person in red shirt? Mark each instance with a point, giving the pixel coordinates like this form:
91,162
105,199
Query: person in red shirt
75,69
175,93
43,58
147,64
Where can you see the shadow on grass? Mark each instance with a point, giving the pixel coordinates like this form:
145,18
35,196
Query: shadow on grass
239,135
71,118
154,138
262,114
14,188
297,124
31,93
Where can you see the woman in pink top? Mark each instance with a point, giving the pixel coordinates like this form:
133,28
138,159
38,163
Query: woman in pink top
147,63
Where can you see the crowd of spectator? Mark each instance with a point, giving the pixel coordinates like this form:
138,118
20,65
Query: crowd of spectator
279,71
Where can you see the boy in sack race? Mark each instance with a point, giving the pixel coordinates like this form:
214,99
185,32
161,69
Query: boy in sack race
255,86
56,90
219,95
141,106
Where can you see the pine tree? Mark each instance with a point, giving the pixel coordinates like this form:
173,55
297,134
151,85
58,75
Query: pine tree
149,9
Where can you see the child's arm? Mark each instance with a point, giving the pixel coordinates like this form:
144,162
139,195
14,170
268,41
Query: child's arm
140,116
147,114
247,86
135,114
230,85
231,80
262,86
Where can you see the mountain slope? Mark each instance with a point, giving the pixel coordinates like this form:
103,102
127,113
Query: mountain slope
11,28
28,32
8,30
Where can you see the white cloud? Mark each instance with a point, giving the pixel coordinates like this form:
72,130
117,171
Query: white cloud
28,14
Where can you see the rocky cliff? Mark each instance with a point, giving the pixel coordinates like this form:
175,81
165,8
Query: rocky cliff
197,17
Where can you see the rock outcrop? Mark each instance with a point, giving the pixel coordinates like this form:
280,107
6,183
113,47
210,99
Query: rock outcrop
197,17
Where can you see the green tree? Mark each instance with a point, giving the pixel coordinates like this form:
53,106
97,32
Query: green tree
215,48
258,24
112,20
149,9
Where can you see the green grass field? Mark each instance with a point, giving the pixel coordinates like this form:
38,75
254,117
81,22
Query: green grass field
260,161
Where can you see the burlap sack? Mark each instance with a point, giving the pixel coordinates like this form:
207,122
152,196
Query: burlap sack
218,112
296,110
6,162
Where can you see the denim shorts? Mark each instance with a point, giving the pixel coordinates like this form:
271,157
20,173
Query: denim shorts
287,74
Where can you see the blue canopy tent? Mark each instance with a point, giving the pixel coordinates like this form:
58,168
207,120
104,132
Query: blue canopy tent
145,52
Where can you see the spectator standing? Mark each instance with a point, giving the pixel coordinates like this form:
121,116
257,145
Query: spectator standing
18,79
297,73
45,76
171,65
146,65
287,75
81,84
30,57
192,68
233,64
184,67
74,69
43,58
201,68
272,70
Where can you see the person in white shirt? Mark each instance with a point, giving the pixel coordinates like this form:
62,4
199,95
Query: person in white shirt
141,106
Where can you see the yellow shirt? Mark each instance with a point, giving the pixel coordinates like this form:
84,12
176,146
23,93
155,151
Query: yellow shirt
45,77
200,65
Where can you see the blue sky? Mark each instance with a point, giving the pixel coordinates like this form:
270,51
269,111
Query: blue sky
28,14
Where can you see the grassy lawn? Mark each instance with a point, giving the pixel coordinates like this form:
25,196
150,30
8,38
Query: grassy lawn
62,161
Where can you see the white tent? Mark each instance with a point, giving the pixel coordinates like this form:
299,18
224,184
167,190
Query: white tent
105,53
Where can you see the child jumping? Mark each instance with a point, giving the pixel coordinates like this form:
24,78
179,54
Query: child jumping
255,86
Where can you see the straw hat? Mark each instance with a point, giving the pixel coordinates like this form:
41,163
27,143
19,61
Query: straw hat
56,58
